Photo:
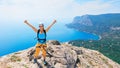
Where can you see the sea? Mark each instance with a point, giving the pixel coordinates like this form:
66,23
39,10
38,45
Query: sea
18,36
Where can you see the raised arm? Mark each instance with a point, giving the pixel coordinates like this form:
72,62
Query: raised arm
47,29
35,30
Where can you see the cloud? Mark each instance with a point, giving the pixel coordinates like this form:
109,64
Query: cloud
33,9
49,9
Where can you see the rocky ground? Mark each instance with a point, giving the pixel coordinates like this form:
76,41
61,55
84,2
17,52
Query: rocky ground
60,55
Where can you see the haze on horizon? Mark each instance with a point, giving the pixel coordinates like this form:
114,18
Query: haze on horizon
59,9
14,12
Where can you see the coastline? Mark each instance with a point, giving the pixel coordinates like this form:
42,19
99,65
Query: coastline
16,52
100,37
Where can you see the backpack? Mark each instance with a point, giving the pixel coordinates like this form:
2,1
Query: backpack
38,35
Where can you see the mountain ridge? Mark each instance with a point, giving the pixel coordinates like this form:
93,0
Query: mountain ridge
95,23
107,26
64,55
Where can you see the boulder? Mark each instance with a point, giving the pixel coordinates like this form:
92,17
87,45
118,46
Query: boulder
53,42
58,56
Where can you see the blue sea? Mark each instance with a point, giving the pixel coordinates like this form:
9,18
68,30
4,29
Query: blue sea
19,37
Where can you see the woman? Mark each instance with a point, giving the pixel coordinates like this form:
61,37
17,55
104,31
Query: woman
41,39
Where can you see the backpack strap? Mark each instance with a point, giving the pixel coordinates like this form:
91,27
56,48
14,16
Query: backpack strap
38,33
45,33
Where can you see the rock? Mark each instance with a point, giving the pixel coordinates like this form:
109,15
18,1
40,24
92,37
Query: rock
59,56
59,65
71,57
53,42
56,51
62,61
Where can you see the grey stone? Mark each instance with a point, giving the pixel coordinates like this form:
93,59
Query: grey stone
53,42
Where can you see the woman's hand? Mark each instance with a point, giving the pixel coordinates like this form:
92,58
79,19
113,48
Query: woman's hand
26,21
30,25
54,21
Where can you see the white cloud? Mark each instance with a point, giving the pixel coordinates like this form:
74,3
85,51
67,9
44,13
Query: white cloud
33,9
93,7
46,9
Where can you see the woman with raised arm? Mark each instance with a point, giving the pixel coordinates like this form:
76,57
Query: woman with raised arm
41,39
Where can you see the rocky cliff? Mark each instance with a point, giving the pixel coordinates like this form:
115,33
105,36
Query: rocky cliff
62,55
82,20
97,24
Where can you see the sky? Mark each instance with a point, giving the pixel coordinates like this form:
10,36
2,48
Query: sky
14,12
54,9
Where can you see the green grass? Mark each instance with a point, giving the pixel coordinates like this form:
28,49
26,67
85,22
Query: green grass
110,46
14,58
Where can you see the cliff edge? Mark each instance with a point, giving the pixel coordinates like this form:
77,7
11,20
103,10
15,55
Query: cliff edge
60,55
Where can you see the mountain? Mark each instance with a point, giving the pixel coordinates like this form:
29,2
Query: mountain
83,20
60,55
107,26
96,23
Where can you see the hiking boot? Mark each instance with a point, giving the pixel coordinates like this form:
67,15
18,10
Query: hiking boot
44,62
35,60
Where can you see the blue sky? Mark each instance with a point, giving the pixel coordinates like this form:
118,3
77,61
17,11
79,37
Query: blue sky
50,9
14,12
